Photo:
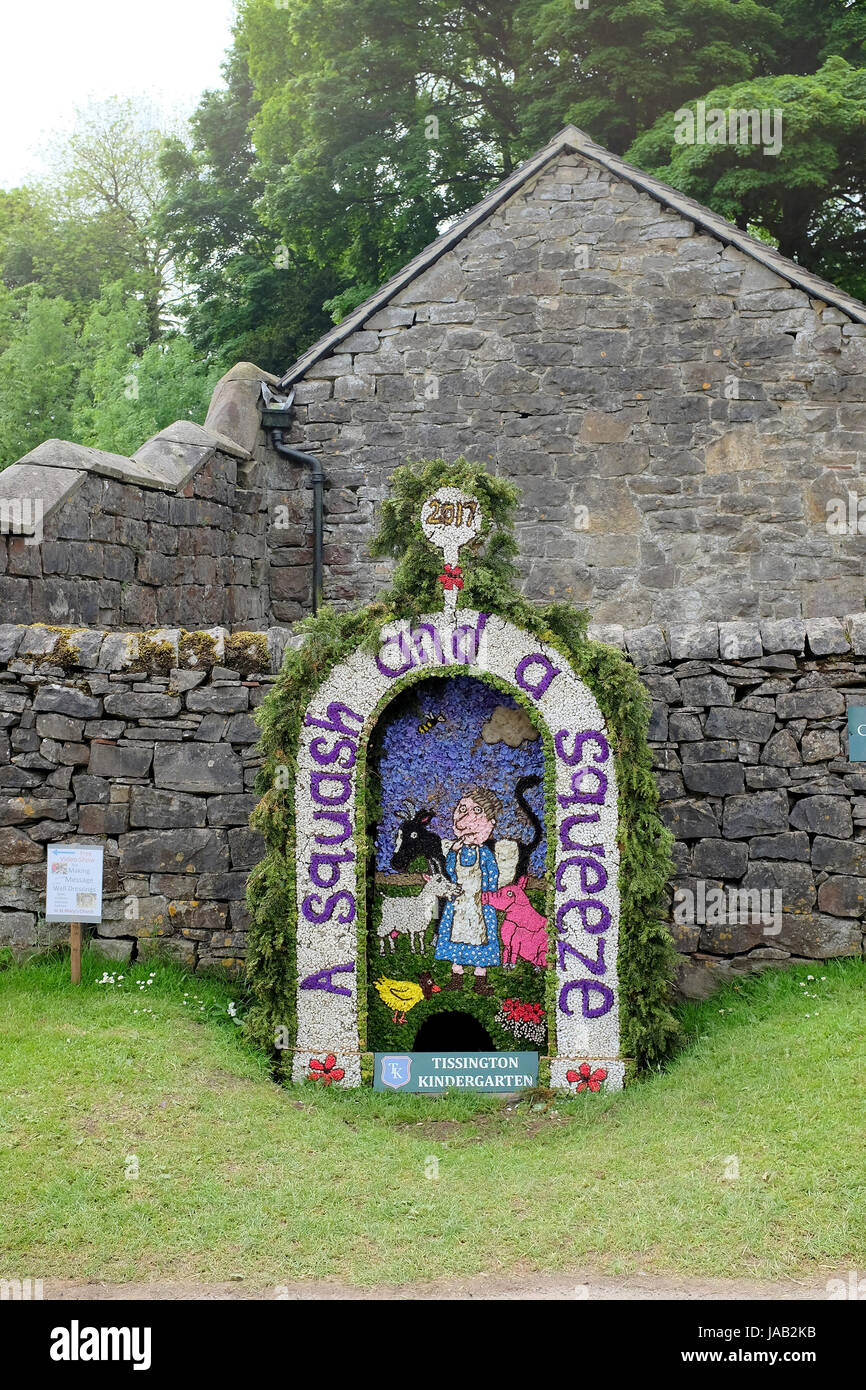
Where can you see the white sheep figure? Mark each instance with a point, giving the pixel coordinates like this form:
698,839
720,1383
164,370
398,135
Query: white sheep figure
413,915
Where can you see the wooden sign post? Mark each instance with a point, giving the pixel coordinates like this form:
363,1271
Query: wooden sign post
75,951
73,893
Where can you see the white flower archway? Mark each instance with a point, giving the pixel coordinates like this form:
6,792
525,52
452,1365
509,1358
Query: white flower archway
586,916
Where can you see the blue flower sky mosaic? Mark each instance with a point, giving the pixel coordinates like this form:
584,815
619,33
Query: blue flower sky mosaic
431,768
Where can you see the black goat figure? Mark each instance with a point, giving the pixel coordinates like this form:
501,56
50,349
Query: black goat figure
415,838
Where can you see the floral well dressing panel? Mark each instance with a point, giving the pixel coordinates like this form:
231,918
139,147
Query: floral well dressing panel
584,1035
462,834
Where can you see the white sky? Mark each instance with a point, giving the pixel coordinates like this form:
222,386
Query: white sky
61,54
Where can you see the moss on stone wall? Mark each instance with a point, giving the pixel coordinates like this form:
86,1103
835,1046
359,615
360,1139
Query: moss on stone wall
197,651
247,652
64,652
155,655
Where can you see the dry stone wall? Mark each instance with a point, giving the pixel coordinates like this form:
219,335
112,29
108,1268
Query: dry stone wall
749,731
147,746
145,743
176,533
200,526
203,525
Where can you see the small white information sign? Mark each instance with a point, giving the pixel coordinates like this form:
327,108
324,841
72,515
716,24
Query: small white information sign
73,891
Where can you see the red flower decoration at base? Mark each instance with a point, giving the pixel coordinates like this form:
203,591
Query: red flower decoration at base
326,1071
519,1012
452,578
586,1078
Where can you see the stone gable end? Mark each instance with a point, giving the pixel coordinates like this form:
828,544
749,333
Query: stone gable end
677,414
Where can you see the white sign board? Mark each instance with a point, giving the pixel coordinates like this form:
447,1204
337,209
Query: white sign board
73,890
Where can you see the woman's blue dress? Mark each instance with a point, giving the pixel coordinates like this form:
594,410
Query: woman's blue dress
460,952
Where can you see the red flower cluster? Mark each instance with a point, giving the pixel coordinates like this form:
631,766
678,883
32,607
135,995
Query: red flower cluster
451,579
326,1071
519,1012
586,1078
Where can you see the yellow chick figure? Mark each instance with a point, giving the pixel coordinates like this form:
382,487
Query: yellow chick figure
402,995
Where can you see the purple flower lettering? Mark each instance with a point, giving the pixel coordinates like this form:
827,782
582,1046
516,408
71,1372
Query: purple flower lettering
537,687
585,986
322,979
583,907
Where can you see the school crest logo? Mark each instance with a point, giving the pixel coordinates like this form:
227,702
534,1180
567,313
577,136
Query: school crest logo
396,1072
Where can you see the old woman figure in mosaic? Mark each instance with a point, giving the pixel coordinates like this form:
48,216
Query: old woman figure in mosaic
467,932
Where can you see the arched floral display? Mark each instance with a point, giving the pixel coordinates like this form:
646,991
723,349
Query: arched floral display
609,955
330,880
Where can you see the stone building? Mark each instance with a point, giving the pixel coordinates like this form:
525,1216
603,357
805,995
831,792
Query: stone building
685,412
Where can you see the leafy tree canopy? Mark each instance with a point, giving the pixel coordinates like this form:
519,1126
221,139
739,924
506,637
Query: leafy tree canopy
90,347
809,196
37,377
352,131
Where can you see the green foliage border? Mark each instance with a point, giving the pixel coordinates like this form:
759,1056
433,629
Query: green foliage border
646,955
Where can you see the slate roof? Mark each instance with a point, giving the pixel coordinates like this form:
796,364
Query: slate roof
571,140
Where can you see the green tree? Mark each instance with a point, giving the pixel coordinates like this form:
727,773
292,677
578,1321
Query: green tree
48,241
88,350
253,296
629,61
112,339
10,315
107,179
168,382
92,220
37,378
379,121
129,389
809,196
25,228
810,31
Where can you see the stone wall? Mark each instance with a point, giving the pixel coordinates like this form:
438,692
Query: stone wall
176,533
146,746
750,740
202,526
145,743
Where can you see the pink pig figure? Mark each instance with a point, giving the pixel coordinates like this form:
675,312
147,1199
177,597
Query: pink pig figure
523,930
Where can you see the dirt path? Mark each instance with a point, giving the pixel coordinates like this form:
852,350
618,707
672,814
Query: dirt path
582,1284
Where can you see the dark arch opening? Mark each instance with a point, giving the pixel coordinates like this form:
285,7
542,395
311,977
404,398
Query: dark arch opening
452,1031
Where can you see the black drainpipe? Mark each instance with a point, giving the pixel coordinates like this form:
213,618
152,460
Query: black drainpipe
275,421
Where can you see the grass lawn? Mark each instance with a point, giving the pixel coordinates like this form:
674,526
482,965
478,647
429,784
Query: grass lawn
236,1176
